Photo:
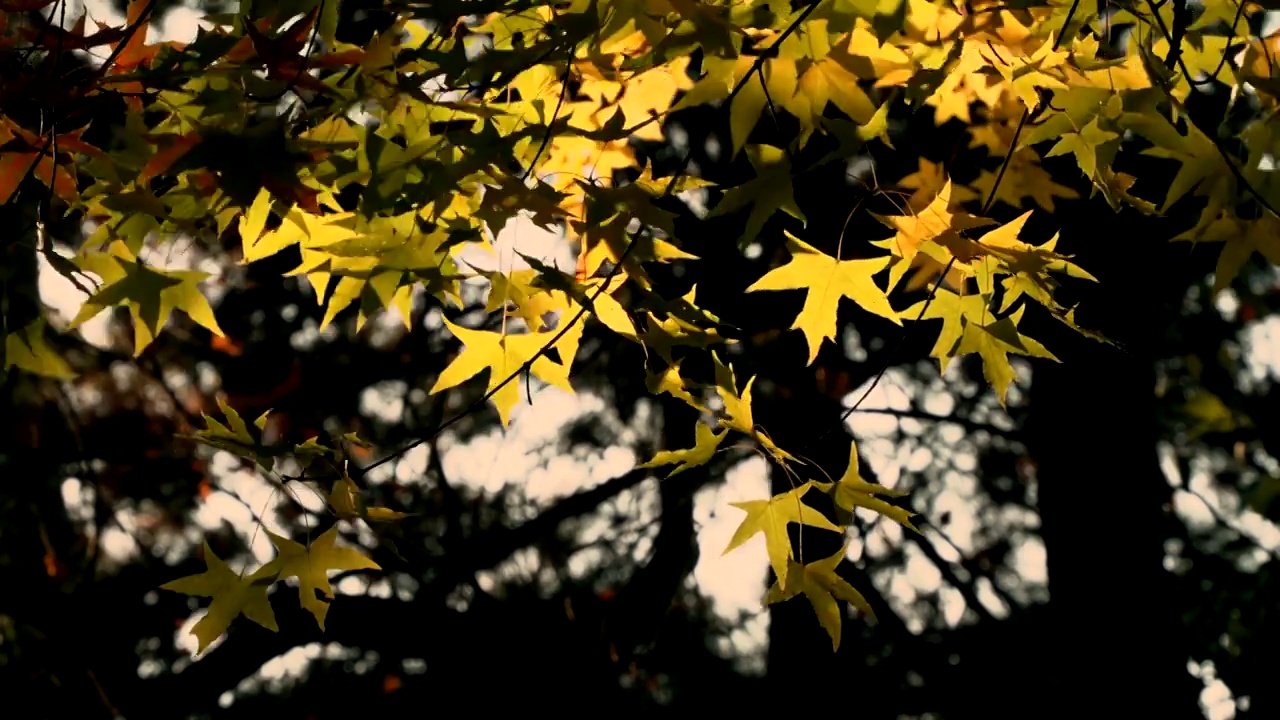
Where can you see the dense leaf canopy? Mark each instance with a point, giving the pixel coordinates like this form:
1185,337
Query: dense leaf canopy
740,193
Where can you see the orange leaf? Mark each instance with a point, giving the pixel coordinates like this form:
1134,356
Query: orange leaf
62,181
225,344
205,181
243,50
134,52
71,142
14,166
161,161
52,567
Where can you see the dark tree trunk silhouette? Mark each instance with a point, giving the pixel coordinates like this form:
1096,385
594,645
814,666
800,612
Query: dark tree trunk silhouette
1112,645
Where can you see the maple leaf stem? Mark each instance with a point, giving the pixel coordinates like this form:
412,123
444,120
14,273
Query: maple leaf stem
773,113
1004,164
546,139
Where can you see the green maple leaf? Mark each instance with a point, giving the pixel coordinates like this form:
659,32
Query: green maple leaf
683,326
232,596
771,517
1202,167
310,564
704,448
502,355
824,588
994,342
234,437
1084,145
27,349
750,103
826,280
770,191
151,296
1241,238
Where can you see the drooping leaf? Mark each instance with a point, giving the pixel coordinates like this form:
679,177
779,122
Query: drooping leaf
311,564
770,191
851,491
771,517
824,589
232,594
348,503
704,448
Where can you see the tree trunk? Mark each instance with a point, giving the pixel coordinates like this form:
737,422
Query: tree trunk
1113,643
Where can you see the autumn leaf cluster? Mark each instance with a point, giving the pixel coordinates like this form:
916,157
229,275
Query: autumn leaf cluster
379,165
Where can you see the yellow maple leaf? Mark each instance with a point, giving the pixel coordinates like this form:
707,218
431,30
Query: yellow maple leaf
826,280
928,181
704,448
771,517
956,91
669,381
232,596
234,437
936,223
829,80
515,293
952,310
1084,145
737,409
824,588
852,491
151,295
1024,75
502,355
347,503
310,564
